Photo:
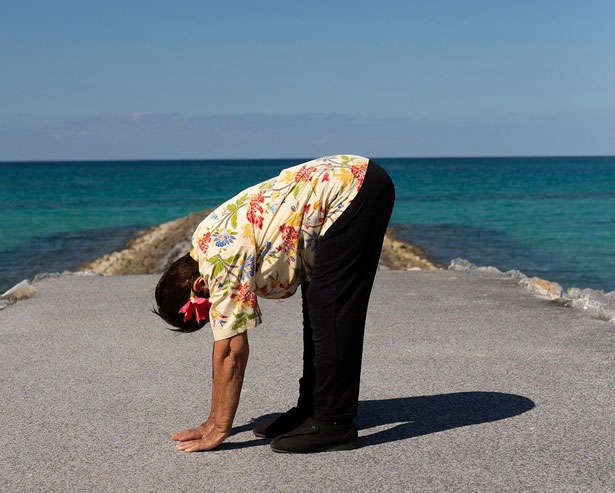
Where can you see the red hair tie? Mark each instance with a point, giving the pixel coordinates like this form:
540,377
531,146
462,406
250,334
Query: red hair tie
198,306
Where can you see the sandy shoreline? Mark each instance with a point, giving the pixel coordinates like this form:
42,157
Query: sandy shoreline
151,250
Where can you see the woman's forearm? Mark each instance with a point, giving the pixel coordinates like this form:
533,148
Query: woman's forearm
212,413
230,359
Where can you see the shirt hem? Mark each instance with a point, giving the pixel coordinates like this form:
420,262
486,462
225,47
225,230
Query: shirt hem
227,333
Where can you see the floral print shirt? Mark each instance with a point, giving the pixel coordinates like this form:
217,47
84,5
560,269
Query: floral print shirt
262,241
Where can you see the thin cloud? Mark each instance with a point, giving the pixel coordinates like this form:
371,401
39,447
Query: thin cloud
176,136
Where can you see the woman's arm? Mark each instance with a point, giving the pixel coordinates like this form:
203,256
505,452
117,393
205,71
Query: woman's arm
230,358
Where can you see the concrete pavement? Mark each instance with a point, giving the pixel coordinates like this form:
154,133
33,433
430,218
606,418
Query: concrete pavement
469,383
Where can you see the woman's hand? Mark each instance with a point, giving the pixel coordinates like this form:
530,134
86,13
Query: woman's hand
230,357
207,442
195,433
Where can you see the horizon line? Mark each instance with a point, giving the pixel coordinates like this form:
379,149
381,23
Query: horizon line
136,160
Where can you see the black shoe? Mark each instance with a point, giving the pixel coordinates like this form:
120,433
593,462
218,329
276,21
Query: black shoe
313,435
272,427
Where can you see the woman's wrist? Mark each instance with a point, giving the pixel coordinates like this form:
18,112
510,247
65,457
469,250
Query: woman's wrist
208,425
222,428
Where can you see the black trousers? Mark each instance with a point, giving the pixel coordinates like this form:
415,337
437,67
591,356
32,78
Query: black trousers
336,298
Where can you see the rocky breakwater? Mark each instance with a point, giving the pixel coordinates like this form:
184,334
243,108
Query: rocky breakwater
399,255
597,303
152,250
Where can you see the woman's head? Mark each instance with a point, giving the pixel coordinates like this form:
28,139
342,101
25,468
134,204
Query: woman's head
173,291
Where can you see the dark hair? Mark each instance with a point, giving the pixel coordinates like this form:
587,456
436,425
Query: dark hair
173,291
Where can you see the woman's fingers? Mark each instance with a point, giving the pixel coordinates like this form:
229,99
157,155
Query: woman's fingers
188,434
196,445
193,446
185,445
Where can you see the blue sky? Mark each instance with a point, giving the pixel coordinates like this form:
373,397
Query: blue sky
200,79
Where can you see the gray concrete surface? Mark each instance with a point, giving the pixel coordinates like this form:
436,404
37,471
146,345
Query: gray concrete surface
469,384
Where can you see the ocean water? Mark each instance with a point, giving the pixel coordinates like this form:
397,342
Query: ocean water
550,217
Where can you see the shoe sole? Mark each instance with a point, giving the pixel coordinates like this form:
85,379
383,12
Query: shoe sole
327,448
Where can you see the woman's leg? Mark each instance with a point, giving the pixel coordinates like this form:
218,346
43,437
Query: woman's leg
306,382
345,265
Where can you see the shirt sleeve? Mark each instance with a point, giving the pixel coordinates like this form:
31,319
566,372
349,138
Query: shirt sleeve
227,263
232,294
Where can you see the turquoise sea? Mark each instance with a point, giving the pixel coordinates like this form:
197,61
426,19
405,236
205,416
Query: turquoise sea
551,217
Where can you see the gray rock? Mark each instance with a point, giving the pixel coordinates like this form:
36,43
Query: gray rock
594,307
596,302
541,287
46,275
85,273
6,302
20,291
574,292
461,264
67,273
491,269
515,274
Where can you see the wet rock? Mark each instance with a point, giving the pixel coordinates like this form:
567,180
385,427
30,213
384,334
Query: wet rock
464,265
6,302
461,264
515,274
20,291
596,302
573,292
542,287
594,308
81,273
53,275
46,275
399,255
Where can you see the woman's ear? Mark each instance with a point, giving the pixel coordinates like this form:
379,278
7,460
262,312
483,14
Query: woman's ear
199,286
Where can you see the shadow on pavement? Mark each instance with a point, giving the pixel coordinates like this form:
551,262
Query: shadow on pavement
421,415
432,413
